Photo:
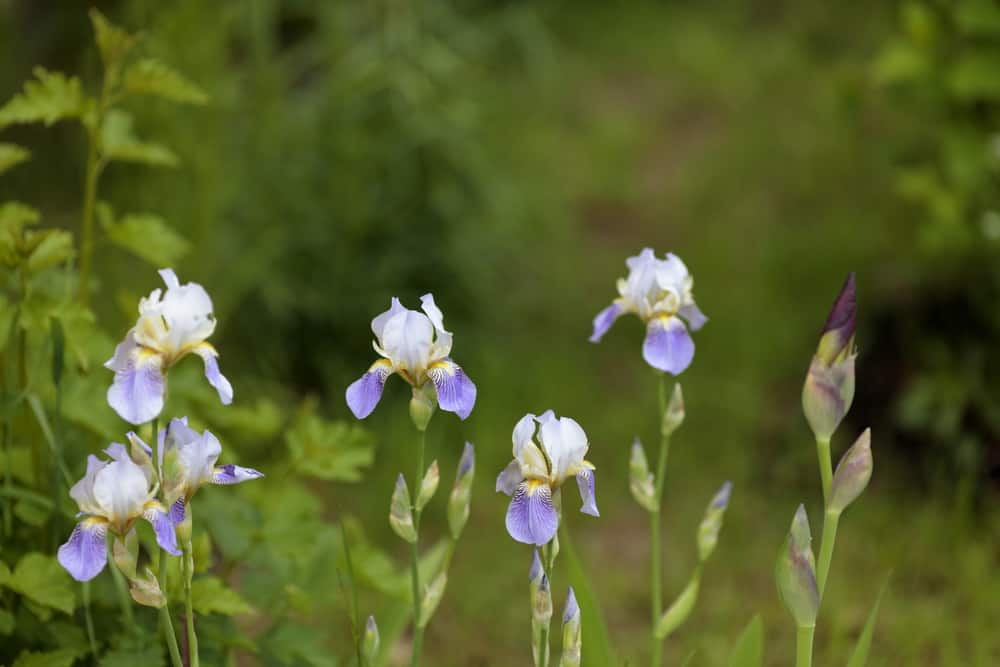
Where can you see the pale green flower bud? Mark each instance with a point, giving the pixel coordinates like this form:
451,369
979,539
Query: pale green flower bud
674,416
458,503
541,604
679,609
572,636
795,572
641,481
829,387
422,406
711,524
370,642
853,473
429,485
432,597
400,512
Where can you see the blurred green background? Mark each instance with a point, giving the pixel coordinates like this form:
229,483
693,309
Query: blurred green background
508,156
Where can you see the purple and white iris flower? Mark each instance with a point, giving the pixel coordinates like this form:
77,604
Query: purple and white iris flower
548,450
659,292
112,496
188,460
171,325
416,347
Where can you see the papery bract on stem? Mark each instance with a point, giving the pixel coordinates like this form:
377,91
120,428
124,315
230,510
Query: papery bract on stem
171,325
659,292
416,346
547,451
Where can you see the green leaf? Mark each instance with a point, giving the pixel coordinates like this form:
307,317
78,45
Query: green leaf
150,655
749,649
330,450
152,77
148,237
61,658
119,143
598,651
973,77
7,622
210,595
42,579
12,155
113,42
50,98
295,644
860,656
52,247
4,573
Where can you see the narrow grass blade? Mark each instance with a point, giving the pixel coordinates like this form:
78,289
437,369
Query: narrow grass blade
860,656
597,649
749,649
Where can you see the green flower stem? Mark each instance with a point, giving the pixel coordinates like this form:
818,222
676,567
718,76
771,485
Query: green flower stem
88,618
655,558
830,522
418,630
188,564
95,164
121,588
548,562
825,465
804,645
355,614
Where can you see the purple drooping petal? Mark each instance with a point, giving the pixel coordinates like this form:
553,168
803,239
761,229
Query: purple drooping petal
510,478
86,551
668,345
216,378
695,318
585,480
137,391
531,518
604,320
365,393
177,511
455,391
163,527
230,474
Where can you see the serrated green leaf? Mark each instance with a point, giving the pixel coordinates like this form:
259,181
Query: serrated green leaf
860,655
61,658
330,450
148,237
54,246
12,155
41,579
119,143
49,98
14,216
113,42
749,649
152,77
210,595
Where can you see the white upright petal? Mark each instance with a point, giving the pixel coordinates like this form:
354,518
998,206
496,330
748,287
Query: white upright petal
524,430
378,324
121,491
83,491
566,444
407,339
442,341
197,458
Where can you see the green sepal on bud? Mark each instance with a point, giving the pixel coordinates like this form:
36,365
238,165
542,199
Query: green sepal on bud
125,552
572,635
853,474
432,597
146,590
680,609
422,405
641,482
370,642
711,523
795,572
401,513
429,485
674,415
459,501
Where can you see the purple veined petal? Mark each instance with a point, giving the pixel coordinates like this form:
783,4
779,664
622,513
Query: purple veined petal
178,511
213,374
604,320
86,551
455,391
695,318
118,451
365,392
585,480
232,474
510,478
137,391
163,527
531,518
668,345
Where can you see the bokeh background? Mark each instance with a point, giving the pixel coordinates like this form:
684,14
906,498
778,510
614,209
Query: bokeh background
508,156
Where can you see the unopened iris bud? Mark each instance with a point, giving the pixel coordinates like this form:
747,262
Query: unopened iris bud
370,642
146,590
429,485
541,604
458,503
711,524
853,473
829,387
422,406
795,572
432,597
674,416
679,609
641,482
572,640
400,512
